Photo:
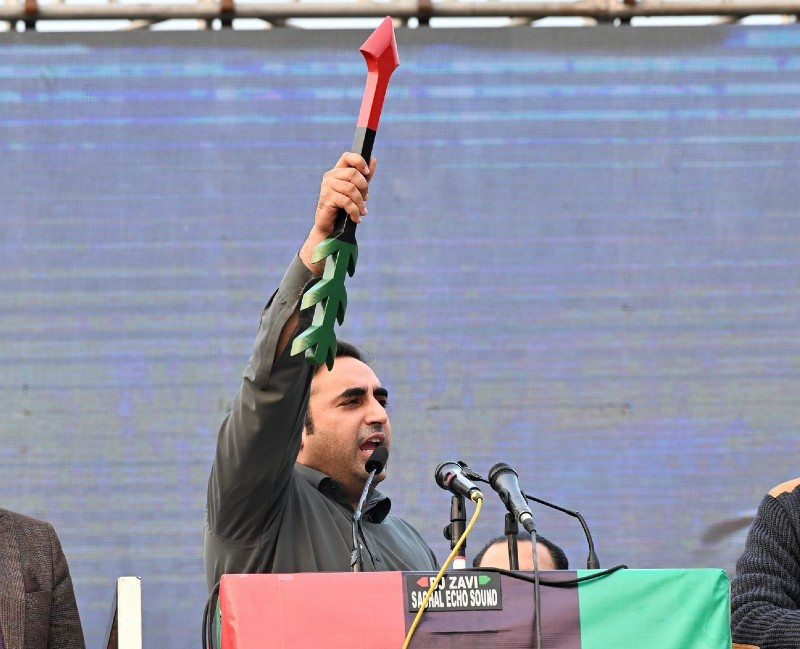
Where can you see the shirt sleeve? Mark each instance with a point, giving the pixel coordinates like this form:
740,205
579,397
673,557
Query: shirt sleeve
765,594
260,438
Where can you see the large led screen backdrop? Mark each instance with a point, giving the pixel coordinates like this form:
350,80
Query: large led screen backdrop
581,259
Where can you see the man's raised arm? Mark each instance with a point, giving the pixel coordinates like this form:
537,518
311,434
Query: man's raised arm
260,438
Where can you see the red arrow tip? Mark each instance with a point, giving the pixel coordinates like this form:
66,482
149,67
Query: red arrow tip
380,53
381,47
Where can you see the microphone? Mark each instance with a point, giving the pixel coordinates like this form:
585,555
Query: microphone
450,477
377,460
374,466
504,480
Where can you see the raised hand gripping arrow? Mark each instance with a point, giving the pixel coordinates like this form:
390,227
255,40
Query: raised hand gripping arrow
340,251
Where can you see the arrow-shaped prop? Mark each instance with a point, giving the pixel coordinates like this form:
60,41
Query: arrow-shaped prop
340,251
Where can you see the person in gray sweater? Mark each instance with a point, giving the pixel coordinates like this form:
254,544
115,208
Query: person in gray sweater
765,594
289,465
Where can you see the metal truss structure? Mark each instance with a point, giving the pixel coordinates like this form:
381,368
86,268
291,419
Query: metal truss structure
222,13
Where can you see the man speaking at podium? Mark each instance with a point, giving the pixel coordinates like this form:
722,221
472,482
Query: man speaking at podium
289,466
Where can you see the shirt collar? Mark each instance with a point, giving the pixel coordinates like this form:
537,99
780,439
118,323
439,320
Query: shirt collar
376,507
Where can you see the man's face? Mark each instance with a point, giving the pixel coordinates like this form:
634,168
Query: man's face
347,407
497,556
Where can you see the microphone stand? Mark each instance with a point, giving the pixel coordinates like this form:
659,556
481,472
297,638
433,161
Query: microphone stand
511,532
356,564
458,524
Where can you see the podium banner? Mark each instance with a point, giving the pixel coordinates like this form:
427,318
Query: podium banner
628,609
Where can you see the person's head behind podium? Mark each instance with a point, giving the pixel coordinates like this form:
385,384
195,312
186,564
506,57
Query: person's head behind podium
346,421
495,554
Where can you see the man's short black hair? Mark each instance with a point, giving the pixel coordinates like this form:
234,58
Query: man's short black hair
559,558
348,350
344,349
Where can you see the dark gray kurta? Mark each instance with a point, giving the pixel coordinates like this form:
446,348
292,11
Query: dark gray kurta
264,512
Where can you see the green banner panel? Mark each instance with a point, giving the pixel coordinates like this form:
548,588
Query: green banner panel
656,609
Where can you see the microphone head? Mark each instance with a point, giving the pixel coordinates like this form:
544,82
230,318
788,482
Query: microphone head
497,470
377,460
444,470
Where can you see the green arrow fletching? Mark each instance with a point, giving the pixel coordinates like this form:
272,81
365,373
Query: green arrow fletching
330,297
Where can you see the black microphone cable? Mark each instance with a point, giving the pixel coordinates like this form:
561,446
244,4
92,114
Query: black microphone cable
558,583
208,617
592,562
537,591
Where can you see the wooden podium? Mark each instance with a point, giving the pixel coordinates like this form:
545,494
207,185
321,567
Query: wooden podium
629,609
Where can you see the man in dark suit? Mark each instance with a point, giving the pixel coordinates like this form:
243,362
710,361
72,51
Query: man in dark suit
37,603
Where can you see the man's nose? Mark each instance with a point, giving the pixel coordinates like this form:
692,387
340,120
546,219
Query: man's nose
376,413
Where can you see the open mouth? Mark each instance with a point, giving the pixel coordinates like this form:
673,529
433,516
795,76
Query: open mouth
373,442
